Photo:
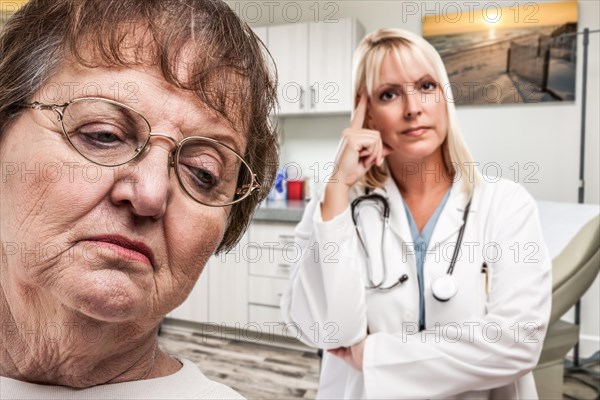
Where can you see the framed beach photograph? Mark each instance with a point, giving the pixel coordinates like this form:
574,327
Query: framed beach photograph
522,53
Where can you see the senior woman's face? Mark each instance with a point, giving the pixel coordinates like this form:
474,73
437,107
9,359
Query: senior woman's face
112,243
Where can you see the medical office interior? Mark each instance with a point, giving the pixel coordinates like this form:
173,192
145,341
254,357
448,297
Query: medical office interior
231,324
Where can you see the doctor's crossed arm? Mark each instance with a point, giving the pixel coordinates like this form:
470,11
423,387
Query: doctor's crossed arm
492,352
397,322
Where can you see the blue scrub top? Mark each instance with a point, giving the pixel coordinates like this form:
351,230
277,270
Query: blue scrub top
421,243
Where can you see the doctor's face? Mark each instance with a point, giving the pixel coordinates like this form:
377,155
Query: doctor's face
114,244
408,109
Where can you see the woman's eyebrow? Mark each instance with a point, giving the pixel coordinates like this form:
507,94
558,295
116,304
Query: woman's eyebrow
214,128
388,86
403,84
232,139
426,77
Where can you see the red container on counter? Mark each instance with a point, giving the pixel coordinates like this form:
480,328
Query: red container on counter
295,189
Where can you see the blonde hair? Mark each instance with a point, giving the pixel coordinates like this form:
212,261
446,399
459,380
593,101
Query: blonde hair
368,58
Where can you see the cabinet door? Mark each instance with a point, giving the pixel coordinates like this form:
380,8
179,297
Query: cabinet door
288,45
195,307
331,46
269,321
266,291
228,287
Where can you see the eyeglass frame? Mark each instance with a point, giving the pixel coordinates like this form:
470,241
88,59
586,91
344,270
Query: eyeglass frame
245,190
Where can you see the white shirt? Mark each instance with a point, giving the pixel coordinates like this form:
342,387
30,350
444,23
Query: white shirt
477,345
187,383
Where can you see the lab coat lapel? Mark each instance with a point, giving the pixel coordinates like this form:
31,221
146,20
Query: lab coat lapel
398,220
451,218
449,222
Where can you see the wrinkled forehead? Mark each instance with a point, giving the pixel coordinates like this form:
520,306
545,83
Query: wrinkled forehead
190,65
412,62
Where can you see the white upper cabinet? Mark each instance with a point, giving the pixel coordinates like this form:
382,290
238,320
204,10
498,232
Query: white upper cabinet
331,46
314,64
288,45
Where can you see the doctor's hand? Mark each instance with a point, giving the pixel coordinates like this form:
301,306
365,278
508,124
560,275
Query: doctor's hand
359,148
358,151
352,355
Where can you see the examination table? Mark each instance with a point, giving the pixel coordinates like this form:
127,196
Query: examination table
572,233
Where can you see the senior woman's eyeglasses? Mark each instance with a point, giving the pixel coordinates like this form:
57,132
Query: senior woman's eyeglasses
110,134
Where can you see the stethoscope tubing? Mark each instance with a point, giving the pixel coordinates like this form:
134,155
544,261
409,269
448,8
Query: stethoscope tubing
384,204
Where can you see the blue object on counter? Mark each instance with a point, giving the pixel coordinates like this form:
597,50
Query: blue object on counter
279,191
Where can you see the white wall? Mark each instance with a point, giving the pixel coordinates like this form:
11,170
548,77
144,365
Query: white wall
547,134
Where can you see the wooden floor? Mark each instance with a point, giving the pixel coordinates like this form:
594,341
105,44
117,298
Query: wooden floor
259,371
255,370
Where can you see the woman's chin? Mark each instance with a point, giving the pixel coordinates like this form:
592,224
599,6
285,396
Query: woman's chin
113,299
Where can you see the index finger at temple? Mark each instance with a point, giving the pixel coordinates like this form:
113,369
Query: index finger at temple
358,119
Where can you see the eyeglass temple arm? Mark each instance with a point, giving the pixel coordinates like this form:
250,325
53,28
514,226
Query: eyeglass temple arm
248,187
36,105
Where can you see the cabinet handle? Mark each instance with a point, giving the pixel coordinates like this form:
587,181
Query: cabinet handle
301,98
283,265
286,237
312,97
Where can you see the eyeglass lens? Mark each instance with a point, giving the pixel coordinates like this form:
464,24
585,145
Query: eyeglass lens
111,134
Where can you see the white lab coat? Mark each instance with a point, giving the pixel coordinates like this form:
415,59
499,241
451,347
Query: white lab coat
476,345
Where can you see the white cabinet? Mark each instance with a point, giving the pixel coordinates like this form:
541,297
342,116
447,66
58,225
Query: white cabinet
242,289
274,251
228,287
265,290
221,294
288,45
331,46
314,64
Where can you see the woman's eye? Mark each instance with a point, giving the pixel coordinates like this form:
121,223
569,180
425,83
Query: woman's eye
203,171
428,86
203,178
387,95
101,134
102,137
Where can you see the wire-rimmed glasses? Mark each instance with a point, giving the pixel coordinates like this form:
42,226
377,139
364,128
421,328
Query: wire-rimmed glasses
108,133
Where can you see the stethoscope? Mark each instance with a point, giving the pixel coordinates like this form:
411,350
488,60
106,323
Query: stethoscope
443,287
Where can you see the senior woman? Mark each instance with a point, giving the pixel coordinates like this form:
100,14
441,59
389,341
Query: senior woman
135,142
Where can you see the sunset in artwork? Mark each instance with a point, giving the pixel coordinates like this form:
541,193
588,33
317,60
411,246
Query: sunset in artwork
523,53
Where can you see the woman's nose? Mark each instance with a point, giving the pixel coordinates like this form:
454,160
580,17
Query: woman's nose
413,106
145,186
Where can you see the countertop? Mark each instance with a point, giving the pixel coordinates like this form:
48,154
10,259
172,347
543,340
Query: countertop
280,211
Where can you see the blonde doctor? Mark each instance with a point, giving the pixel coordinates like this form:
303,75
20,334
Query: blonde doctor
381,284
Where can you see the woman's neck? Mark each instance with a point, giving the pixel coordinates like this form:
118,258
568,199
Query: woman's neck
51,345
420,179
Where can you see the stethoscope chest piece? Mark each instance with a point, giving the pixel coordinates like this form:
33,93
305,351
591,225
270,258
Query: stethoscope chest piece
444,287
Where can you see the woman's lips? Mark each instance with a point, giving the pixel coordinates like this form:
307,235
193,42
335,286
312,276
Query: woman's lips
417,131
124,248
